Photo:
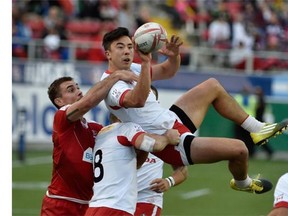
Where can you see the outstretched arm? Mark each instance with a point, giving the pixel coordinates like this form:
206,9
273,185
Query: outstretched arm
168,68
139,94
154,143
96,94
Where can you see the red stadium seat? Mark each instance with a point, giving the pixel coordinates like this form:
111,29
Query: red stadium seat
37,26
83,26
233,7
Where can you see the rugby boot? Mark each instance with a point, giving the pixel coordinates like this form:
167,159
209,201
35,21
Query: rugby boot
257,186
268,131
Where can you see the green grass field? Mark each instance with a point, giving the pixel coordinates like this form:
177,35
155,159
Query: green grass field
205,192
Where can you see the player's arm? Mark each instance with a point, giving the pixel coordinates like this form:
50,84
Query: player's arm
179,175
154,143
168,68
137,96
281,211
97,93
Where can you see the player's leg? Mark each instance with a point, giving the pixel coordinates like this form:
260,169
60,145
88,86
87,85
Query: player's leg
211,150
196,101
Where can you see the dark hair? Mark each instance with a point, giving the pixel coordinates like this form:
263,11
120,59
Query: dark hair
113,35
54,89
154,89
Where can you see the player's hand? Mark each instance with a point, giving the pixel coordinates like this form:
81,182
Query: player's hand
126,75
145,57
173,136
159,185
172,47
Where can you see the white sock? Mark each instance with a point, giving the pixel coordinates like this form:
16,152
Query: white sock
252,125
243,183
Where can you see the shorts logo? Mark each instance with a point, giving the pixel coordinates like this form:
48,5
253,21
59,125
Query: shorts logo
87,155
150,160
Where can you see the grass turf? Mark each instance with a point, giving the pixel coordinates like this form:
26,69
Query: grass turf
205,192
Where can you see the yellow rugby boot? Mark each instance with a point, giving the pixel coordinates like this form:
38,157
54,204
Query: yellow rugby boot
268,131
257,186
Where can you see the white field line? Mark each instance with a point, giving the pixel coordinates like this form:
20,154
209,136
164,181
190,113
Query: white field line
32,161
25,212
196,193
30,185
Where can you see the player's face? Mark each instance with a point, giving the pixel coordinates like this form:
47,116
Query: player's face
70,92
121,54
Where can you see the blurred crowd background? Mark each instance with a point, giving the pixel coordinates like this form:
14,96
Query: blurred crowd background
219,33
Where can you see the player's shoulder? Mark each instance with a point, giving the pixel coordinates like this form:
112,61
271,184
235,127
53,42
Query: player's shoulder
109,128
104,75
130,126
284,178
61,112
64,108
95,125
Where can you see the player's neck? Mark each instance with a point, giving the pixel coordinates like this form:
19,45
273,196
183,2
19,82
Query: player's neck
112,69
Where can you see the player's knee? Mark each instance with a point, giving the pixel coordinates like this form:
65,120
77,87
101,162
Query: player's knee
214,84
241,149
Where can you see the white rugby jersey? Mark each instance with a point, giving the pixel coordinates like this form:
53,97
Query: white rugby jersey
114,165
152,117
150,170
281,192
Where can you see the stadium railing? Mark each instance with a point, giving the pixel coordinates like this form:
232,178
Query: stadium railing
193,59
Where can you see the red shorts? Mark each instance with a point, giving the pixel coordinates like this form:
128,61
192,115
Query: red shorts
61,207
100,211
178,155
147,209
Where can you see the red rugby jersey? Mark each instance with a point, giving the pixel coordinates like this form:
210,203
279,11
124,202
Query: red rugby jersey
72,174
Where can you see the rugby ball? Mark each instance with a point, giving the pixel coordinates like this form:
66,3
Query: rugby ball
150,37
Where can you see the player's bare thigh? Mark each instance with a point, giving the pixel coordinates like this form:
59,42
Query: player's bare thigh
196,101
214,149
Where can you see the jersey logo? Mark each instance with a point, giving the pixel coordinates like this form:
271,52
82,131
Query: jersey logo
280,197
115,93
87,155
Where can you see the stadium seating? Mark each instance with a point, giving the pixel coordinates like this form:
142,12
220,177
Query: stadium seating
37,26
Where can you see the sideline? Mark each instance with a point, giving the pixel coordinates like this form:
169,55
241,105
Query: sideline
25,212
32,161
30,185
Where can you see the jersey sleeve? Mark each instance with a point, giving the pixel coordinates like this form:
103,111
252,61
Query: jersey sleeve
117,93
119,89
61,123
131,131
